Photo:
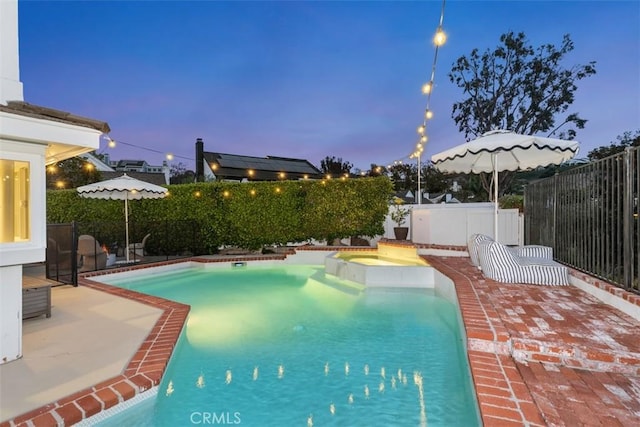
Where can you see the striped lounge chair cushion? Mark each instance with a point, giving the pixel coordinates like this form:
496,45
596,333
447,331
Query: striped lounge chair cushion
500,263
472,247
533,251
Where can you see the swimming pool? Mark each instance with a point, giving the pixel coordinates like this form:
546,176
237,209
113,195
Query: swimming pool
285,345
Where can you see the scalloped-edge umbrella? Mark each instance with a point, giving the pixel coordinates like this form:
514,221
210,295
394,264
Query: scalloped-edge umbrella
502,150
123,188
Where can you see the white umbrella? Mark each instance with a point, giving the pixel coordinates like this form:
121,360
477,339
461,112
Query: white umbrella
503,150
123,188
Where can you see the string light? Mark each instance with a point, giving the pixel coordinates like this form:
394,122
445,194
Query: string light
111,143
439,39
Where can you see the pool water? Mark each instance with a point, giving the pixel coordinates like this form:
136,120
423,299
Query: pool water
285,346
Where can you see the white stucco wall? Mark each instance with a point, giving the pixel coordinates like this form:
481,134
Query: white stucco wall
10,85
10,313
38,142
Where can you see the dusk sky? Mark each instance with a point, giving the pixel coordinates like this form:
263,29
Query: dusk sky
304,79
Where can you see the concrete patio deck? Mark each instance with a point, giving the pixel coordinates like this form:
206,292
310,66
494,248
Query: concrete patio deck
539,356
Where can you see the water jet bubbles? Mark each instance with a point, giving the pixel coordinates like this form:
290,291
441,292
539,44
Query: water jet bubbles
350,399
228,377
346,368
326,368
332,408
200,381
280,372
399,374
404,379
393,383
381,387
366,369
255,373
366,391
383,372
310,421
170,388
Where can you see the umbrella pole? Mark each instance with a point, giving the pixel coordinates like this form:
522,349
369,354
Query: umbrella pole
495,196
126,221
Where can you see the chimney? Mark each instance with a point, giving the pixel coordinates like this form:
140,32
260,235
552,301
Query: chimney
10,84
199,160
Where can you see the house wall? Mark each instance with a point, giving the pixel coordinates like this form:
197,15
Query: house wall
10,85
14,254
34,141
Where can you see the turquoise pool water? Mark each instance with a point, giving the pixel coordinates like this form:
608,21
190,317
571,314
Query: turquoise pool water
284,346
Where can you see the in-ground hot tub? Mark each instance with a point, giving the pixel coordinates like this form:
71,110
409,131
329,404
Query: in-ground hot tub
388,266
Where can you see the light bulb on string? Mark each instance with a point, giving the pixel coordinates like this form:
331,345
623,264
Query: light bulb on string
426,88
424,139
428,114
169,156
421,129
440,37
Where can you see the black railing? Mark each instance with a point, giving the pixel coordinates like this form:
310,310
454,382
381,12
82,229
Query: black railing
79,247
61,262
589,215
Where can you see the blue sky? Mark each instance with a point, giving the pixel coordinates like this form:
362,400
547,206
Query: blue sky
304,79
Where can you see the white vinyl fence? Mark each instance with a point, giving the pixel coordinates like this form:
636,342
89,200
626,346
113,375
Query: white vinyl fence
453,223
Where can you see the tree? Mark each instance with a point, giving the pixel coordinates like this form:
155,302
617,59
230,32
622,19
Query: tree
520,88
376,170
71,173
335,167
180,175
625,140
433,180
404,177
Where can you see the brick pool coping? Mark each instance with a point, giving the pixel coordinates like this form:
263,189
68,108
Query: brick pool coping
503,395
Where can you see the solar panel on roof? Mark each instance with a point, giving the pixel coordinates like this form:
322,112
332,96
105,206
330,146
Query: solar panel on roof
233,161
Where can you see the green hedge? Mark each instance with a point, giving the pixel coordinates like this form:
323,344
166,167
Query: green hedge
201,217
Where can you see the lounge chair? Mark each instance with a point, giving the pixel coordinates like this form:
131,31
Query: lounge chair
504,264
529,251
91,256
138,250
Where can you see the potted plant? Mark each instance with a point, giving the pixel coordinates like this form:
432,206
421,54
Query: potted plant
399,216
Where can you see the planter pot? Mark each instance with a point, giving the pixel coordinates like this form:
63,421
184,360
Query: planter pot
401,232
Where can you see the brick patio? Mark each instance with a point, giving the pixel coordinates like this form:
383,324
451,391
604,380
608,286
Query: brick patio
543,355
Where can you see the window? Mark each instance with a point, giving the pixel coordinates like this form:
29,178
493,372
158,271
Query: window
14,201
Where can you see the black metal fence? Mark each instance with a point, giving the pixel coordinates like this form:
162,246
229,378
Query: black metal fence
589,215
79,247
61,262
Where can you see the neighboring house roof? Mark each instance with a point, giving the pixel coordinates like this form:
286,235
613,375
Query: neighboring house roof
406,197
99,164
25,109
130,163
152,178
236,167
